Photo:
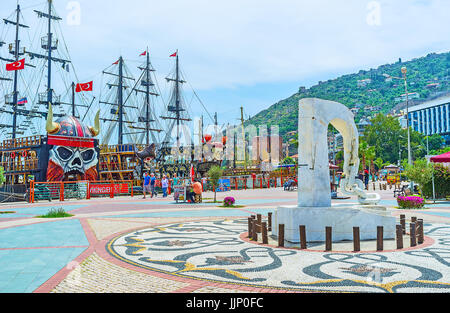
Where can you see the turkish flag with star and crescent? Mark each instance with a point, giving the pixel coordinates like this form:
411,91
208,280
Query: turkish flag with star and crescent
19,65
84,87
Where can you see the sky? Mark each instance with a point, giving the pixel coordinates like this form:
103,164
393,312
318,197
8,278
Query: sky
249,53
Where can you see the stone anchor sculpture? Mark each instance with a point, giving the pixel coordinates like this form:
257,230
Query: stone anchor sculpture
314,209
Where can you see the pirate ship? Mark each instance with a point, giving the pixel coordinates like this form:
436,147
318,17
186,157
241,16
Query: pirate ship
137,132
31,102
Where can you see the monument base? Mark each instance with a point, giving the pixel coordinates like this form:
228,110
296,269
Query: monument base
341,218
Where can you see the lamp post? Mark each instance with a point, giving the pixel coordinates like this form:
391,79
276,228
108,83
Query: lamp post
404,71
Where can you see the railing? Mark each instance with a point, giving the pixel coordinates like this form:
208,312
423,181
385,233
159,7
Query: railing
21,142
79,190
26,165
88,189
116,166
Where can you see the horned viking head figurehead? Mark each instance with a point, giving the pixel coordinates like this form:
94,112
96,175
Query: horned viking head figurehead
73,149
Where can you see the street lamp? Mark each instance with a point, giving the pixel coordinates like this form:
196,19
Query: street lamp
404,71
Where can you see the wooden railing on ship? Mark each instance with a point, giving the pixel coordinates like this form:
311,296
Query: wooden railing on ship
26,165
21,142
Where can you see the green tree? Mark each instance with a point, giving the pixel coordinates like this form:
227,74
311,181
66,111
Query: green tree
288,161
391,140
441,183
421,173
2,176
378,163
214,174
435,142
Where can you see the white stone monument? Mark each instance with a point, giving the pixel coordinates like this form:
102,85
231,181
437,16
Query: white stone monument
314,209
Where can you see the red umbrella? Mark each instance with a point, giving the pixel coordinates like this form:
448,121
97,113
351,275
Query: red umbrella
443,158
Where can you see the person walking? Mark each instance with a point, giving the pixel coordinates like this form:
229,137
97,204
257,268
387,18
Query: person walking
164,185
153,185
366,179
176,180
146,184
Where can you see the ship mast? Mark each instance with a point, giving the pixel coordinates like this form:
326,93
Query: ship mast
13,99
16,58
49,44
175,105
147,83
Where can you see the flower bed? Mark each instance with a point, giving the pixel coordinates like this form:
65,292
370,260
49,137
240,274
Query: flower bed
410,202
229,201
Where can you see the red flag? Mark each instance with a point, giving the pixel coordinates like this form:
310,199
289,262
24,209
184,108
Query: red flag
117,62
192,173
143,53
84,87
174,54
19,65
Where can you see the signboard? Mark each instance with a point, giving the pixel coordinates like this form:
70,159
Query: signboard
97,189
179,193
224,185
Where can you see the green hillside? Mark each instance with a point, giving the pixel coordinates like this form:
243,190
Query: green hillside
427,76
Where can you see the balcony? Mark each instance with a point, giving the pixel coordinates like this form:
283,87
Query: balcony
43,99
12,49
45,45
9,99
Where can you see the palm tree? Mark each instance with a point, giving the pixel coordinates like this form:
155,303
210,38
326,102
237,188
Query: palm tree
370,155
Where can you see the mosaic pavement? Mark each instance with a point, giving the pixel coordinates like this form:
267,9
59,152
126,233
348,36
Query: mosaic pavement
134,245
213,251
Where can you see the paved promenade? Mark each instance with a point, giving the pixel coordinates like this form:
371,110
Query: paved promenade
155,245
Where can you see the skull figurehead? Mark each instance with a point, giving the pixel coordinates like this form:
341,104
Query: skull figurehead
73,152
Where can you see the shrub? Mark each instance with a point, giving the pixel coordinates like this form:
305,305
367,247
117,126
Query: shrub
410,202
54,213
229,201
441,183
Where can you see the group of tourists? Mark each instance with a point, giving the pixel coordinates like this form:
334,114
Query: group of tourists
150,184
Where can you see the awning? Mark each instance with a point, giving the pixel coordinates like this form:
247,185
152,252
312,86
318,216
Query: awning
333,167
443,158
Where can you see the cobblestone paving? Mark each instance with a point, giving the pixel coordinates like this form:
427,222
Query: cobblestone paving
99,276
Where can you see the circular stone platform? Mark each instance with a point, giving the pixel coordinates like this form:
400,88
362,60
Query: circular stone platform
216,251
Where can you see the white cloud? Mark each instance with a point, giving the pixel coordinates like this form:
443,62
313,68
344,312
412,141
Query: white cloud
245,42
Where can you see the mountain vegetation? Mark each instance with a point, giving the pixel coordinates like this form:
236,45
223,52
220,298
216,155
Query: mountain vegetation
368,92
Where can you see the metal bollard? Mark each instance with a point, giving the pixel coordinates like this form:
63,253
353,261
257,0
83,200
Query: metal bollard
265,240
399,233
356,240
281,235
302,237
255,230
380,238
269,220
412,234
259,219
403,223
420,236
328,238
250,235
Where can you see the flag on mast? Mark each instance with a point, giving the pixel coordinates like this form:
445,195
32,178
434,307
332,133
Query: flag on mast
173,54
84,87
143,53
19,65
22,101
